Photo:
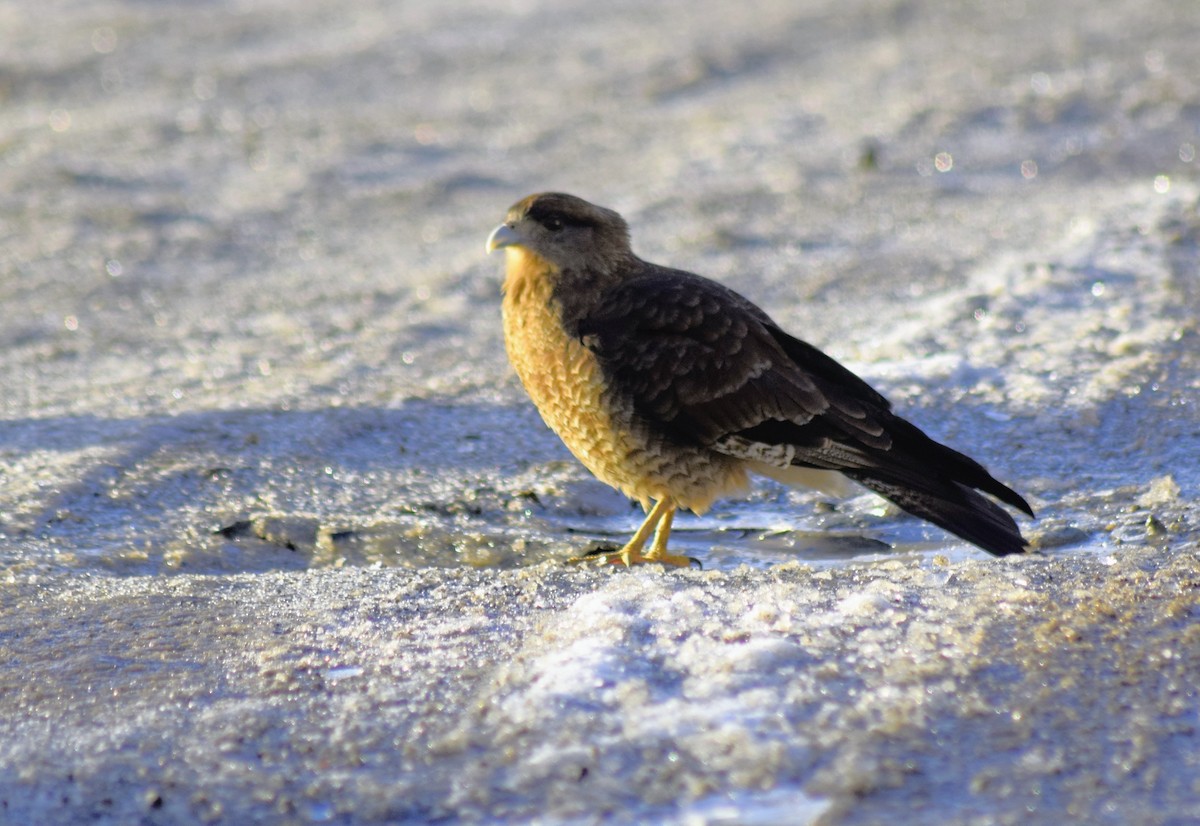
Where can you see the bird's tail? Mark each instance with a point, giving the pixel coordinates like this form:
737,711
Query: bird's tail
956,508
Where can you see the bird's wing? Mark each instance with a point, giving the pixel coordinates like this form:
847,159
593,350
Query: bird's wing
709,367
706,364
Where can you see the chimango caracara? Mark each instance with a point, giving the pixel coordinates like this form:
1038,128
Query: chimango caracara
673,388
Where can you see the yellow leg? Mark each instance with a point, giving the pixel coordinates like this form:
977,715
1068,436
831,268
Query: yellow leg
658,521
658,550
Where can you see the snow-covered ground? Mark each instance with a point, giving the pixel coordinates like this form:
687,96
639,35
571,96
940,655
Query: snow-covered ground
281,539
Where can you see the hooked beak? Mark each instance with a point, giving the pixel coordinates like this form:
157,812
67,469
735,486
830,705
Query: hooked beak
502,236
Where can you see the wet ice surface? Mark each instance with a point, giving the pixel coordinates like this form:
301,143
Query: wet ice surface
282,541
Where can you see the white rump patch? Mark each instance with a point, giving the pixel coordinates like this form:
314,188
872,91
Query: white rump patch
775,462
829,482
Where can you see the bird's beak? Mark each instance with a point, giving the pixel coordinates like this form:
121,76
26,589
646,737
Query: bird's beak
502,236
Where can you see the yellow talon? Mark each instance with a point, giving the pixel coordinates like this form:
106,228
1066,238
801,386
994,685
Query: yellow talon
659,521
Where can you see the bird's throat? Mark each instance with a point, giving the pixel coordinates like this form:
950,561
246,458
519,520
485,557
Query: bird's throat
526,272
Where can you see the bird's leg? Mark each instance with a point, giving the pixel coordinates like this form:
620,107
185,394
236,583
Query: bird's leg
631,553
658,549
658,521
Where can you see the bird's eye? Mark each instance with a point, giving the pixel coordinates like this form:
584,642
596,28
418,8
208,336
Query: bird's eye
554,224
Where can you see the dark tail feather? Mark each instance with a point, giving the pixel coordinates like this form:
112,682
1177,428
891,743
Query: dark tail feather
957,509
951,464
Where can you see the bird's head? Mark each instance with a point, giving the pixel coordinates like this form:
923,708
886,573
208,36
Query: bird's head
567,232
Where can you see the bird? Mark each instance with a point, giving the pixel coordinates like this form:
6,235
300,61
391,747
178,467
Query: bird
676,390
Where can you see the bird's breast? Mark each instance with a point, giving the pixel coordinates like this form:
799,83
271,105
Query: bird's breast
562,377
596,422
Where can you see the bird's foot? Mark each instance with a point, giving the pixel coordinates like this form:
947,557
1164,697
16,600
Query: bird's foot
630,557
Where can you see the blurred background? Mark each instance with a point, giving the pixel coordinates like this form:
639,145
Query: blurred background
279,531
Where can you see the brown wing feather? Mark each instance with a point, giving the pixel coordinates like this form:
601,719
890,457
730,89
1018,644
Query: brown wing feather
700,359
